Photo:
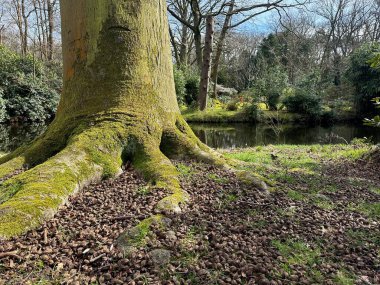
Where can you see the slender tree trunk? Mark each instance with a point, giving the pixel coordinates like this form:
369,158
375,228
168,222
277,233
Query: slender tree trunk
198,48
2,28
50,10
219,47
205,75
26,27
197,33
39,24
184,40
20,24
174,45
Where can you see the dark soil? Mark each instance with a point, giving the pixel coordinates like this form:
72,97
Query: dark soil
229,233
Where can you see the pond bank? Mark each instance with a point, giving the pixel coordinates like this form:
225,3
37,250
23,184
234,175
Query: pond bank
240,116
238,135
319,225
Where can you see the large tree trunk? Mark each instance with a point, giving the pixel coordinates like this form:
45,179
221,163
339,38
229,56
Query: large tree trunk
205,74
118,103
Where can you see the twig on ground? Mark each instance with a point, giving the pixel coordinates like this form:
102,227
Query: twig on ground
10,254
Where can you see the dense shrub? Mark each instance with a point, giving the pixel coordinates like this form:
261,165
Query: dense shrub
29,89
232,106
179,82
252,112
186,85
269,86
192,89
273,100
303,102
3,112
365,78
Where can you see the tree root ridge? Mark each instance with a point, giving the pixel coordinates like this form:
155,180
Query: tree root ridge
97,150
29,198
153,162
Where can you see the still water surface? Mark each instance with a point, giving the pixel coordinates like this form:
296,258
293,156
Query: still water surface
227,135
248,135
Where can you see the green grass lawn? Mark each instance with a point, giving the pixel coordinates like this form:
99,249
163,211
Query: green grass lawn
215,116
310,172
239,116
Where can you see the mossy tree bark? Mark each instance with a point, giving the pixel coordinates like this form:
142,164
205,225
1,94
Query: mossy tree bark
118,103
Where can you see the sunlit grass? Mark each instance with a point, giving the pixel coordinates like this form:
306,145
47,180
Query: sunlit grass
215,116
372,210
344,278
183,169
299,253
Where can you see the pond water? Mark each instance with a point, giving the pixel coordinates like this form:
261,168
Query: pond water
227,135
248,135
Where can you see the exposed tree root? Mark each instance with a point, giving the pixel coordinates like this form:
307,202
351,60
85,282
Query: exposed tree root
94,151
178,142
50,143
29,198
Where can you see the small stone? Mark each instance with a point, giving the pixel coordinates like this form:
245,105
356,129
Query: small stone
170,235
160,256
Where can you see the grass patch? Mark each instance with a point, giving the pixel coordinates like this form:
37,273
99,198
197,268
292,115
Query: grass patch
371,210
299,253
217,179
299,157
143,190
344,278
215,116
294,195
184,170
363,237
375,190
229,198
287,212
322,202
260,224
218,115
260,157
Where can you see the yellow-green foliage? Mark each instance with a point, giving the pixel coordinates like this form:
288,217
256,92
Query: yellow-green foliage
215,116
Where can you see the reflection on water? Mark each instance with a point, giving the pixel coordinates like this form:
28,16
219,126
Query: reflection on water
226,135
247,135
13,136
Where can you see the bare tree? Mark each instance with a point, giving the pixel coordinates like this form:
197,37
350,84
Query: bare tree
243,11
195,20
2,25
344,28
